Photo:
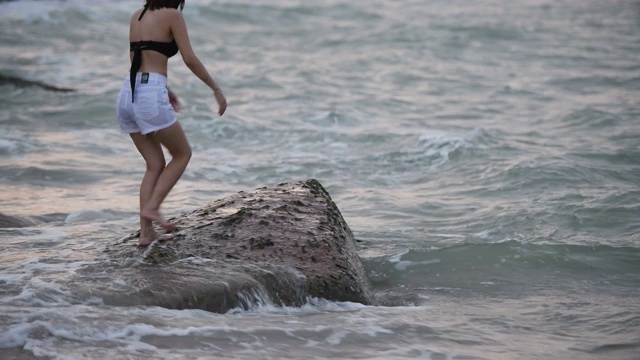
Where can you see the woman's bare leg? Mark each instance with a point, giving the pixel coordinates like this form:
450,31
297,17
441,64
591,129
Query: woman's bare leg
152,153
175,141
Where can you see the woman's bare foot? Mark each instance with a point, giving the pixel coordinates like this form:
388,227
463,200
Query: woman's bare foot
164,237
153,236
154,215
145,241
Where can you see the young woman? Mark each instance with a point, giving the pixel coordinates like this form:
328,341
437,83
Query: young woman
146,107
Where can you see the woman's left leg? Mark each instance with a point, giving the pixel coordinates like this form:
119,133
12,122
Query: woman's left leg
151,151
174,139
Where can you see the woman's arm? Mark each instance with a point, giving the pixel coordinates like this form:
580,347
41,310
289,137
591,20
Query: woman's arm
180,34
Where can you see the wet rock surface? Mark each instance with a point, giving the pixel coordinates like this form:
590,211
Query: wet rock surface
287,243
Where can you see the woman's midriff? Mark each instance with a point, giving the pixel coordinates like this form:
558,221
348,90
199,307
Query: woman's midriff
153,62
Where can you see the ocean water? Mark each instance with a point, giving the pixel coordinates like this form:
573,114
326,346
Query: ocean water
485,153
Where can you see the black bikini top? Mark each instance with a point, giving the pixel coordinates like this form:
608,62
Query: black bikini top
167,49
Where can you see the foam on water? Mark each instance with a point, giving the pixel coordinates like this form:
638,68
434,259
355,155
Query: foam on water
44,328
91,215
7,146
400,332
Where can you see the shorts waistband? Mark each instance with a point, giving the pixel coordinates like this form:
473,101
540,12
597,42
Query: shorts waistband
149,78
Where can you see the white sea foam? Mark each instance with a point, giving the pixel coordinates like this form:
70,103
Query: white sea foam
439,147
402,265
311,305
483,234
41,331
90,215
15,336
11,279
336,337
31,235
7,146
37,293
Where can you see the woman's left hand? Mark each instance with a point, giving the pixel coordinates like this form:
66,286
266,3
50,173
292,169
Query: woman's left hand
175,102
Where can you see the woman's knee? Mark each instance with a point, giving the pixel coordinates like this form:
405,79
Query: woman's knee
156,167
182,153
188,153
176,142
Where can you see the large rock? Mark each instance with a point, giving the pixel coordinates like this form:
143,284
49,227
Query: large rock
280,244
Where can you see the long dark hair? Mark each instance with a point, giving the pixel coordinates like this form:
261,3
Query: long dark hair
159,4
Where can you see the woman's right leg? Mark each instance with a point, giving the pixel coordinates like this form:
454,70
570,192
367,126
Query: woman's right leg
174,139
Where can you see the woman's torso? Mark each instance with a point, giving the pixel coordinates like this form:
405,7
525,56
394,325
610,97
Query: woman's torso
153,26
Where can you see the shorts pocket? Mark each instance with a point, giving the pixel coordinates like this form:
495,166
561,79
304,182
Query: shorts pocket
120,104
145,106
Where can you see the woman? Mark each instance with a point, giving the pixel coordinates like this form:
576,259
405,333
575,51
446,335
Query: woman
146,107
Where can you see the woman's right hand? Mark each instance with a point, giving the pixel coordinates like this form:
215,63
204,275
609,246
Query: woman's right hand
222,101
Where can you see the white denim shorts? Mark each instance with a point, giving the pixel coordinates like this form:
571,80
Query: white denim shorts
151,110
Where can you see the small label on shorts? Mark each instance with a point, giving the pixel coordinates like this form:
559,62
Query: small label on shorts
145,78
